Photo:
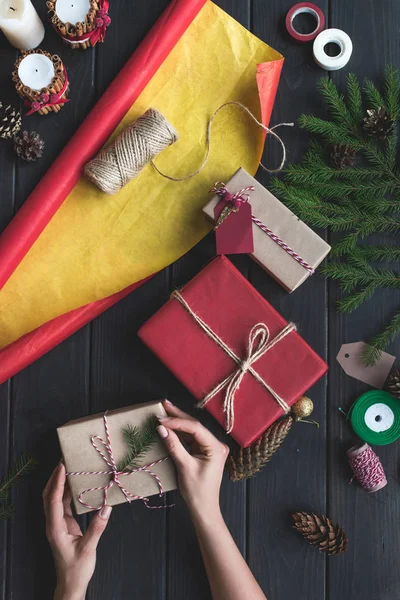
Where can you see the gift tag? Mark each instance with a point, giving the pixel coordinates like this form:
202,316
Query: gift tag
235,234
349,358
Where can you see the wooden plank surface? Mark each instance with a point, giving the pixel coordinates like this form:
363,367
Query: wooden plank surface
154,554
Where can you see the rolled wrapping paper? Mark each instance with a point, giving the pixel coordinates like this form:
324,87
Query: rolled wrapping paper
134,148
308,8
332,36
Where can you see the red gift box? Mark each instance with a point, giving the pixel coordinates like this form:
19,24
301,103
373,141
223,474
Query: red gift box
228,306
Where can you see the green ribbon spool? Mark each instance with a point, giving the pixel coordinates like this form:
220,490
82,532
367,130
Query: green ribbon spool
375,418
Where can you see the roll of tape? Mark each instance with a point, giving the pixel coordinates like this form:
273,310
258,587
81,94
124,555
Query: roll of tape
375,418
311,9
334,36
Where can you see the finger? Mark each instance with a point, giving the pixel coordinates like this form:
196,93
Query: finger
67,499
174,445
200,434
174,411
96,528
53,502
50,482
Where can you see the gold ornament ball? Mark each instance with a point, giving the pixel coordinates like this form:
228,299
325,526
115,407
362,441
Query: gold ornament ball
302,408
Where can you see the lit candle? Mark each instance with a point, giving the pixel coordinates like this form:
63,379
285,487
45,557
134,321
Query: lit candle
21,24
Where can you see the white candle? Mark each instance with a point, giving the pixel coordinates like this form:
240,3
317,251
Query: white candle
36,71
21,24
72,11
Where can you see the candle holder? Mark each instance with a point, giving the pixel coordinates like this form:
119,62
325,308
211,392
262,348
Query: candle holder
81,24
41,80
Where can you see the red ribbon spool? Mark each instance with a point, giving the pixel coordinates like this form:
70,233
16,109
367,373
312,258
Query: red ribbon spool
311,9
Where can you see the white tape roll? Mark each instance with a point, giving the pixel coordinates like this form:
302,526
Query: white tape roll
379,417
341,39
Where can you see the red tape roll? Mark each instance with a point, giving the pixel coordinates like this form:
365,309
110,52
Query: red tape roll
311,9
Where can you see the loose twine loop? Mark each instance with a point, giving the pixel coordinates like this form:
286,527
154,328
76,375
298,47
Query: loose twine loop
108,457
139,144
258,344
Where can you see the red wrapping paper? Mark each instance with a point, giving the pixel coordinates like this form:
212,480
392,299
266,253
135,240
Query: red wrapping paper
229,304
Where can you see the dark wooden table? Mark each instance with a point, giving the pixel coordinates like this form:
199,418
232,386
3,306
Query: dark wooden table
154,555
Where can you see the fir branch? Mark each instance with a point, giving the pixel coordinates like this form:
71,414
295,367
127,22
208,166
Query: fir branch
354,98
139,441
380,253
336,103
353,301
24,465
331,132
6,511
377,344
391,91
374,98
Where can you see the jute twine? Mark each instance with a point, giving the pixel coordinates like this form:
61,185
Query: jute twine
135,147
140,143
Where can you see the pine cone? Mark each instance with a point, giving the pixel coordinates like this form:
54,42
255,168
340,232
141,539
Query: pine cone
393,383
28,146
246,462
10,121
320,531
342,156
379,123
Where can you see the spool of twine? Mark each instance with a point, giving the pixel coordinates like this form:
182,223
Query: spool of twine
135,147
367,468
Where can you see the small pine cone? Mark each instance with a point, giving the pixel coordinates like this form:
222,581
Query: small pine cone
379,123
321,532
10,121
342,156
246,462
393,383
28,146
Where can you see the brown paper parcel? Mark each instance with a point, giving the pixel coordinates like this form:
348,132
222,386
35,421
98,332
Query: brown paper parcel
79,455
303,240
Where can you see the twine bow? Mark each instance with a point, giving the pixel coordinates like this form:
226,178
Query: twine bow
108,456
258,344
46,100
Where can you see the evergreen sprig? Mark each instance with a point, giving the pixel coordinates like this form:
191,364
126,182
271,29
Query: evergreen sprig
353,202
24,465
139,441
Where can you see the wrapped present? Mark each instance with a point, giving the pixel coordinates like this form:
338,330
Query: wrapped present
283,245
232,350
95,454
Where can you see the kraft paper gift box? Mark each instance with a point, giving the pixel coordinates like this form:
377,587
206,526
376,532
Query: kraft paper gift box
79,455
283,223
230,306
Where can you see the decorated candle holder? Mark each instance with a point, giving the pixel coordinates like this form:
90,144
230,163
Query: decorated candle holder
81,23
41,80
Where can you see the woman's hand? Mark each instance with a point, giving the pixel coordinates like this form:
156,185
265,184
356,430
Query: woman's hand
74,553
200,469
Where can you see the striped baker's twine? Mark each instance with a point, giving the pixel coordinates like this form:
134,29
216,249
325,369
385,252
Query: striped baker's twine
237,199
115,474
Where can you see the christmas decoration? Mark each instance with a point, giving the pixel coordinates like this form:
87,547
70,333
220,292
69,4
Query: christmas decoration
139,441
379,123
302,408
28,145
10,121
23,466
354,202
393,383
246,462
342,156
319,531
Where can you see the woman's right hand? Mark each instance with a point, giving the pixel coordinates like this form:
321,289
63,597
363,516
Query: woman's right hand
200,468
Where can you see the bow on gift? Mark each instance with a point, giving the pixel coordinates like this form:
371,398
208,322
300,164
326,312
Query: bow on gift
259,343
46,100
108,457
101,22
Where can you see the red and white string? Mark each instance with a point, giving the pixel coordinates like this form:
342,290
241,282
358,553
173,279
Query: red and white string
237,199
367,468
108,457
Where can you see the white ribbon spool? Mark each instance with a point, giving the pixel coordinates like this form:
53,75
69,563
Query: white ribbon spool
379,417
334,36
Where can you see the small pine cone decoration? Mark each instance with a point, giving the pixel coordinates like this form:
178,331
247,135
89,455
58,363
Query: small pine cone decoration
320,531
342,156
379,123
10,121
28,146
393,383
246,462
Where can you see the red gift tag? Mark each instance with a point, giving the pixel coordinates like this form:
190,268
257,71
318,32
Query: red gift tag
235,234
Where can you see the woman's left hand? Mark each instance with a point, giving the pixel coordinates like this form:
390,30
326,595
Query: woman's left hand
74,552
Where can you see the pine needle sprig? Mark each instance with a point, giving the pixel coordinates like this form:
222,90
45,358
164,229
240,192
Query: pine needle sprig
139,441
24,465
358,200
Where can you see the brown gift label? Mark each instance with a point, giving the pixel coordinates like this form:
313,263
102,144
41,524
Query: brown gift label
349,358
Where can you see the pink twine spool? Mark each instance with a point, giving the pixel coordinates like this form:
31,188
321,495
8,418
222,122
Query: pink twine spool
367,468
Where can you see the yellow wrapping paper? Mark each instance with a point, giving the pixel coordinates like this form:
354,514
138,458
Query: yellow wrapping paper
97,245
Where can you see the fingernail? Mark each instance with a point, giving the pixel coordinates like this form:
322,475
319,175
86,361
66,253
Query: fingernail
105,512
162,432
168,402
163,418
